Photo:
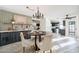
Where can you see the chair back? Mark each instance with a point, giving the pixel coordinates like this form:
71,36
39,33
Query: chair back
22,36
46,43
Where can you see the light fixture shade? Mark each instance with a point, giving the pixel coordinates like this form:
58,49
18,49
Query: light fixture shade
12,21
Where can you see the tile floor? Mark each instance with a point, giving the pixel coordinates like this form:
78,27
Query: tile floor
60,45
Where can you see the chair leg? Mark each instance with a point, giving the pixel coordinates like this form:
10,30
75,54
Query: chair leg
23,49
50,50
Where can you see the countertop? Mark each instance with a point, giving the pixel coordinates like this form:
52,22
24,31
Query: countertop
13,31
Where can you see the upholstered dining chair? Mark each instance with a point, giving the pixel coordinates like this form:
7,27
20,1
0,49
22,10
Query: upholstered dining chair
45,44
26,43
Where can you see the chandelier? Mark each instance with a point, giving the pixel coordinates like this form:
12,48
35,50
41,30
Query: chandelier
38,14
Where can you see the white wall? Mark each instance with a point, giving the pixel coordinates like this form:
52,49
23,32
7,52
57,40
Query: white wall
48,25
43,24
77,28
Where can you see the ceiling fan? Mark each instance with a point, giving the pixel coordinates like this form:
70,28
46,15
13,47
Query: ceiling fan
69,17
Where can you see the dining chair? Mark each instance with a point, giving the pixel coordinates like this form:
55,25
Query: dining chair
26,43
45,44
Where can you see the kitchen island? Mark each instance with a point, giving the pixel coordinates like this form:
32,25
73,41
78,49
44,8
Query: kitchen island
8,37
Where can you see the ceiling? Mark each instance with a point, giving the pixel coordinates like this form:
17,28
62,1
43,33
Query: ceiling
50,11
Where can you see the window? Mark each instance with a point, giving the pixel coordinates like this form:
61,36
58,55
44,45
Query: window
72,28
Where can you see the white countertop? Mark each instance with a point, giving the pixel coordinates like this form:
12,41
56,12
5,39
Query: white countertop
12,31
6,31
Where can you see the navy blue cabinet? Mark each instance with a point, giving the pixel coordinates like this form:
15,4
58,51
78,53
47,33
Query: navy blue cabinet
10,37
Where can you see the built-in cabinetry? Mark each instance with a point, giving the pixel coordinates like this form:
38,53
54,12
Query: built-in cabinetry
58,27
6,17
10,37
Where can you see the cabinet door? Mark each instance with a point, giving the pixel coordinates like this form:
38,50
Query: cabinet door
4,39
0,39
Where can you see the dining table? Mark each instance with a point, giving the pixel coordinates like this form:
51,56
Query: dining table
38,35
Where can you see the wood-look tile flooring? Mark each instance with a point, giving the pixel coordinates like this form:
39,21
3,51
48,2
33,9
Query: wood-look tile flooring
60,45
